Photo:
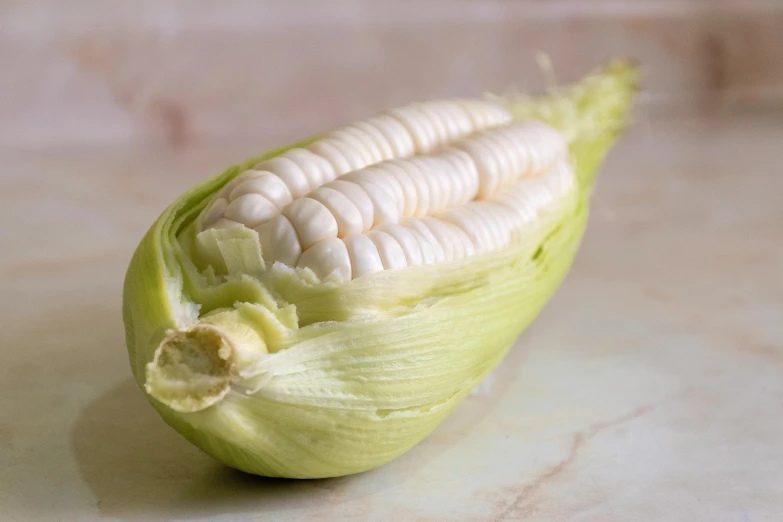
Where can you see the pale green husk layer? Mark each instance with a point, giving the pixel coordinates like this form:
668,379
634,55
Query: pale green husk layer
275,373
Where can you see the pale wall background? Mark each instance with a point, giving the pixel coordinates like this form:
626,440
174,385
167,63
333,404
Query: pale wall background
85,72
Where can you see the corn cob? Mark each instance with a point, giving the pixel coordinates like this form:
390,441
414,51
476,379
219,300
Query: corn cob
318,310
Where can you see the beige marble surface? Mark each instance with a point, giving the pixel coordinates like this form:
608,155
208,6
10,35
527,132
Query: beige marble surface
649,389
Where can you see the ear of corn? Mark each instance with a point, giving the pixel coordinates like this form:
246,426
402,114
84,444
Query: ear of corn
278,370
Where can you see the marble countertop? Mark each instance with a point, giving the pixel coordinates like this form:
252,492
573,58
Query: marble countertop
650,388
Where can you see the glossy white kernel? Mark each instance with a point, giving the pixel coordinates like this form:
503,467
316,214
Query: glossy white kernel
428,187
364,155
485,219
419,126
329,257
349,219
226,223
478,117
250,210
390,251
279,241
365,259
354,155
486,166
522,212
448,114
406,240
312,220
213,212
425,247
384,206
417,225
420,204
238,180
460,119
438,171
393,183
332,154
381,141
473,229
317,169
289,172
358,197
463,167
367,143
435,121
399,137
266,184
442,236
407,186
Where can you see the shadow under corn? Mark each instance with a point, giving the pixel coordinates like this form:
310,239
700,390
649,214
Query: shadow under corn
138,467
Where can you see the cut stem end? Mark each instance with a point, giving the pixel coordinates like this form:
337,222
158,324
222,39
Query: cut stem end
192,369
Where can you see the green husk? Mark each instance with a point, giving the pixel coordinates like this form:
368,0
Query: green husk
276,373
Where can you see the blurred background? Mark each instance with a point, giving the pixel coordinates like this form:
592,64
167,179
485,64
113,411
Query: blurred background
650,385
88,73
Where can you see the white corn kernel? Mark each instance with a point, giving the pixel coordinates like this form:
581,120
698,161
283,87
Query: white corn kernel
355,136
391,253
380,176
439,184
417,225
448,114
226,223
378,138
399,138
516,160
365,259
395,171
250,210
465,169
435,122
279,241
502,158
316,168
360,150
358,197
327,150
486,166
419,204
419,126
406,240
241,178
484,219
326,258
213,212
384,206
349,219
462,238
355,158
470,226
441,235
460,119
266,184
485,114
289,172
312,220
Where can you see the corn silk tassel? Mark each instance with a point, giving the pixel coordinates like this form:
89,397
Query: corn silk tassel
276,373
